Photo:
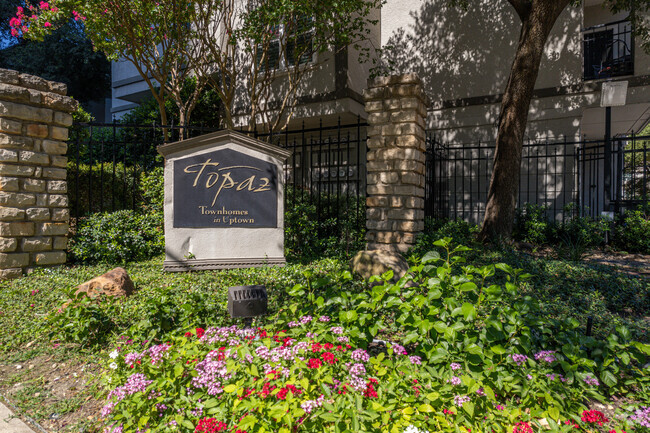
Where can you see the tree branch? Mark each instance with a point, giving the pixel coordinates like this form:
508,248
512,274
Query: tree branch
522,7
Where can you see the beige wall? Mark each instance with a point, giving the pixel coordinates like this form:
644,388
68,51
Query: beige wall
464,59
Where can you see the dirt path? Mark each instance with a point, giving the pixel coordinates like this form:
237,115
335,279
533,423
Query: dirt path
632,264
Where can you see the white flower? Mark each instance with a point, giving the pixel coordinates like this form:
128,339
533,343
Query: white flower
113,365
414,429
113,354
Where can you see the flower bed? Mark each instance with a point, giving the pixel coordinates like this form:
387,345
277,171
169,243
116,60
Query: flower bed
468,356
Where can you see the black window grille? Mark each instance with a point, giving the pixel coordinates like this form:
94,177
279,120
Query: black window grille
608,50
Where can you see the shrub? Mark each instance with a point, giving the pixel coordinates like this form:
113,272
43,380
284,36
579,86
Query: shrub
531,224
580,229
632,232
460,231
337,230
152,188
104,186
117,237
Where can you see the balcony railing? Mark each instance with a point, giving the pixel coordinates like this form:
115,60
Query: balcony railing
608,50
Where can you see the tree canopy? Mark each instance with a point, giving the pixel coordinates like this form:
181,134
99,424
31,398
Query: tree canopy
239,48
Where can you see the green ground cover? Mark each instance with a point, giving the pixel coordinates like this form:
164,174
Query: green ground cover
166,306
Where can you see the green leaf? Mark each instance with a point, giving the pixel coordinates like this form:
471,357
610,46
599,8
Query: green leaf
440,327
430,257
468,287
554,412
505,268
178,370
608,378
468,406
230,388
188,424
427,408
348,316
210,403
469,311
498,349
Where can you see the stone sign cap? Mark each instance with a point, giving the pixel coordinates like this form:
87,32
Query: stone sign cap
223,137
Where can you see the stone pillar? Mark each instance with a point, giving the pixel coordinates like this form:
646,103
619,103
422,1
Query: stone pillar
397,108
34,217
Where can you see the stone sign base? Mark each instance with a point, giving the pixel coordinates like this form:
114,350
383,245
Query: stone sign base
211,264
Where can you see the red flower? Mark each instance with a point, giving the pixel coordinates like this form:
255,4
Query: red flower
210,425
522,427
329,357
316,347
314,363
573,423
328,346
447,412
266,390
282,394
370,391
200,332
594,417
188,334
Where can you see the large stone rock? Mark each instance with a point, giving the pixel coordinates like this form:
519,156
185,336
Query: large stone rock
113,283
376,262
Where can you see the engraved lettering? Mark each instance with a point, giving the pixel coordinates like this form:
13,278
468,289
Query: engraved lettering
265,186
247,183
231,184
199,171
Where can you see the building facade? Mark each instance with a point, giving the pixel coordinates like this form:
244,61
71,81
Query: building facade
463,57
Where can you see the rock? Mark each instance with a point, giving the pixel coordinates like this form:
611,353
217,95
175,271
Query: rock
376,262
113,283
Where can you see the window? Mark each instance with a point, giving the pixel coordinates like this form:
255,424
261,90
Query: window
608,51
296,37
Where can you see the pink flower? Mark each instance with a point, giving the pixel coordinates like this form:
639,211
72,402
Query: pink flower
522,427
47,24
44,5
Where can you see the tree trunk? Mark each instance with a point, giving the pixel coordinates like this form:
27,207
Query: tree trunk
538,18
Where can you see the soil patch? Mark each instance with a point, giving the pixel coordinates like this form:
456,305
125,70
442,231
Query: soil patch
633,264
61,395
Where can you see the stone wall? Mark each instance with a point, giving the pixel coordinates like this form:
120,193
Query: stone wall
34,118
396,107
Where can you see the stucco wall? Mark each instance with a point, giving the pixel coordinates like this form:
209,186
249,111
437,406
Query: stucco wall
464,59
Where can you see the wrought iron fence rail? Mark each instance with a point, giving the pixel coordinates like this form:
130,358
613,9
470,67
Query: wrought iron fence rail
328,163
554,174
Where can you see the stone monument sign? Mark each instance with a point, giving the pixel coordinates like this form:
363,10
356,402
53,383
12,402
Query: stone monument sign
224,202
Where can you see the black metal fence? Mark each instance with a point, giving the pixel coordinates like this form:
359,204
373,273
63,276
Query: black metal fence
106,160
554,174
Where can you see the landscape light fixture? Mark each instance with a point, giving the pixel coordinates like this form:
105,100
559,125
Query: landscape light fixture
247,302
